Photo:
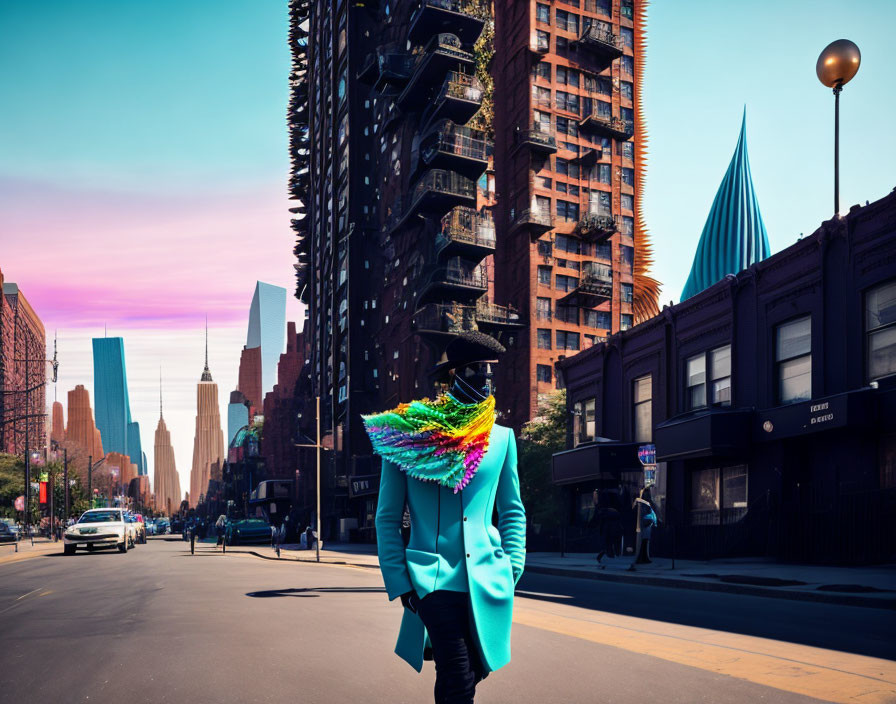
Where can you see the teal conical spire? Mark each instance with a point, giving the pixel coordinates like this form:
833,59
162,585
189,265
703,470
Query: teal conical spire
734,235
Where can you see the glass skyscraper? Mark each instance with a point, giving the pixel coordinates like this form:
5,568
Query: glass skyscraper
267,330
113,408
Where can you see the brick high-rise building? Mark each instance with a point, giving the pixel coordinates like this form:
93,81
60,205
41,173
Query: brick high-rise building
572,251
22,372
208,441
388,145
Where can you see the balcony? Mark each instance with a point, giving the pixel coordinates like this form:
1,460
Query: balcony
435,16
596,228
435,193
467,233
441,321
603,45
594,287
442,54
537,140
458,100
535,220
456,281
491,317
387,69
454,148
608,125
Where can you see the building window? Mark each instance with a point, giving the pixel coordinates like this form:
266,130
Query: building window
590,319
567,126
541,95
567,211
696,381
543,308
542,121
880,329
604,319
568,76
628,65
793,360
543,13
718,495
626,292
543,373
544,275
567,21
627,149
568,314
544,339
543,70
545,182
544,248
643,406
720,374
562,187
626,9
567,101
544,40
628,176
626,320
584,426
604,174
627,201
628,36
628,225
565,283
626,89
567,340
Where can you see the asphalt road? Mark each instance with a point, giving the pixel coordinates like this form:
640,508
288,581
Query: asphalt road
160,625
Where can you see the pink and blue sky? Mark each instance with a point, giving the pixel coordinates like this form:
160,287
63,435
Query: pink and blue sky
143,161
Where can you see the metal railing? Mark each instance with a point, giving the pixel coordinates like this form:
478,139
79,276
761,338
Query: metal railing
445,43
446,317
462,86
595,223
494,313
468,225
459,140
610,122
537,136
534,216
593,33
441,181
461,275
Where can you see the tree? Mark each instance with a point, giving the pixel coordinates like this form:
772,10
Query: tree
541,437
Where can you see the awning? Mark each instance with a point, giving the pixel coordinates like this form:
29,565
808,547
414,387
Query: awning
814,416
600,460
711,432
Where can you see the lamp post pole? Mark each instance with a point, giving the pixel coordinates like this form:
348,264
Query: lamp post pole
837,64
65,480
316,445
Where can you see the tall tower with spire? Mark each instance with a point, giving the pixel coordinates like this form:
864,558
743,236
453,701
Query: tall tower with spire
166,481
208,441
734,235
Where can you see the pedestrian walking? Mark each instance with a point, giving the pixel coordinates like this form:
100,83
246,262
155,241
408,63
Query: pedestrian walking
646,521
448,461
309,538
219,528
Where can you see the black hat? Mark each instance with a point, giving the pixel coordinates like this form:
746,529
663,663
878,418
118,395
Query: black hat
467,348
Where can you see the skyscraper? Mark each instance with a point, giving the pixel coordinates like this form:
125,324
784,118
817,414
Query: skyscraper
388,144
267,331
166,481
734,235
572,250
81,434
113,407
208,440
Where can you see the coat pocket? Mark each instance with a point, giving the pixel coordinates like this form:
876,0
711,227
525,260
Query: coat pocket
422,567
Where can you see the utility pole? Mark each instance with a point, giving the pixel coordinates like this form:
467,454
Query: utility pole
65,479
316,445
90,481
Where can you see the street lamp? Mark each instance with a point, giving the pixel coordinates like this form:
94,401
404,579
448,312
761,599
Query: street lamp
316,445
90,467
836,66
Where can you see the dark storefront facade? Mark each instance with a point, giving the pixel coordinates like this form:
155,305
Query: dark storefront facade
770,398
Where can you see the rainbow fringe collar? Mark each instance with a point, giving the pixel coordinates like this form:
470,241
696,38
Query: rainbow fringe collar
440,441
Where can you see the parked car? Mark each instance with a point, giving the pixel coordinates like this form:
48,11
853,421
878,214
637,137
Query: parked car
99,528
6,534
137,527
176,526
163,526
13,526
248,530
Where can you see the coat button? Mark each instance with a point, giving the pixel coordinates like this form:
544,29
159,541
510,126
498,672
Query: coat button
499,552
465,518
468,554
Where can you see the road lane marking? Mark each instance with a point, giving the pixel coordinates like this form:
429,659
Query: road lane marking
824,674
18,599
31,592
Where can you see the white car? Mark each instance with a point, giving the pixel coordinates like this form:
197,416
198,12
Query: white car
99,528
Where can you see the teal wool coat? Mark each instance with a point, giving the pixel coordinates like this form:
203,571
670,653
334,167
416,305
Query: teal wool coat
493,555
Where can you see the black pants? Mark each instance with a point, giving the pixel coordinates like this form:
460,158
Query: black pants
459,669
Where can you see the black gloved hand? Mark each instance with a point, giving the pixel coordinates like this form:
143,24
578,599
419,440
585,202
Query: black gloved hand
407,601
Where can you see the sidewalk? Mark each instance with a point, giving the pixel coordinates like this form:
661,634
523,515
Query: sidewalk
42,546
873,587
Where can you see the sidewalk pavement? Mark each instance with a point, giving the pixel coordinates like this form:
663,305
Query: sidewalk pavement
42,546
873,586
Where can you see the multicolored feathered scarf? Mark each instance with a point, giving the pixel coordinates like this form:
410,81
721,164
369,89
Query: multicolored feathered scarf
439,441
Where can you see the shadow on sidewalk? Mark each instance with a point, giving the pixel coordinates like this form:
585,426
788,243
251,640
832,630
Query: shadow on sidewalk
304,591
859,630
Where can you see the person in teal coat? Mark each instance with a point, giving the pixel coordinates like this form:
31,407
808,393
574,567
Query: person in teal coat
452,466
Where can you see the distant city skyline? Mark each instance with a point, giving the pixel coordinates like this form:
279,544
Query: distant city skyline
158,200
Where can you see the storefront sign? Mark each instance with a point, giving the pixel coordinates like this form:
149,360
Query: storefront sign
364,485
647,455
814,416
